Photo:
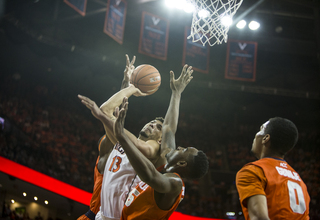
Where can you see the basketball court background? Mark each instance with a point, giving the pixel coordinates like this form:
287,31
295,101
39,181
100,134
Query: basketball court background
47,40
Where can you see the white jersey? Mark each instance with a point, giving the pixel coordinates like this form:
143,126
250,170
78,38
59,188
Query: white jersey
119,178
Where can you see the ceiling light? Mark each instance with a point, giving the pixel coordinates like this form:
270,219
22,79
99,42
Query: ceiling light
169,3
188,7
203,13
35,198
241,24
226,21
46,202
179,4
253,25
24,194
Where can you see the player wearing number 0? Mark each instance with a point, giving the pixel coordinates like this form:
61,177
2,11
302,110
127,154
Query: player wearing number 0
270,188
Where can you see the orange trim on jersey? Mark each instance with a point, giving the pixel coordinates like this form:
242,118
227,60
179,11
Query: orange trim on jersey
160,168
104,136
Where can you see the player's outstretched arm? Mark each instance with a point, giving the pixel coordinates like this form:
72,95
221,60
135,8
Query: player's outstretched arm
162,183
114,101
128,72
125,83
108,122
97,113
170,123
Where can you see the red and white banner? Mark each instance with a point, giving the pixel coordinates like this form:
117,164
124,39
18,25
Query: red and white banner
195,54
241,60
115,19
154,35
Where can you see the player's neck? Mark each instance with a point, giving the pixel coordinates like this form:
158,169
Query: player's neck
143,138
269,153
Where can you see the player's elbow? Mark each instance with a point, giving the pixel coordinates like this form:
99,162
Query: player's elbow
258,215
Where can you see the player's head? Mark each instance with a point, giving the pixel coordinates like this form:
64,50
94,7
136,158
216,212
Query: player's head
281,133
188,162
152,130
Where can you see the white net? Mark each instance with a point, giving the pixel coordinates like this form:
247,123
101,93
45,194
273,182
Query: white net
211,20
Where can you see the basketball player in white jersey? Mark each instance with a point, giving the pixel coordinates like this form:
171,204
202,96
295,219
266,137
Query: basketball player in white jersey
105,143
169,190
118,175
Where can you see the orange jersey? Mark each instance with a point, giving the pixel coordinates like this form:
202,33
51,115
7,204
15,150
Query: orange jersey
286,193
95,199
141,204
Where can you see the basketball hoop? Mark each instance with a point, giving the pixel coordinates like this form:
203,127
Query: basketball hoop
210,20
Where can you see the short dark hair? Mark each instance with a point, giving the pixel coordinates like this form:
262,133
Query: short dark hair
160,119
200,165
283,134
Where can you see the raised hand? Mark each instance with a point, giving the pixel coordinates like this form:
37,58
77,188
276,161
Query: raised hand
95,110
185,77
129,68
119,123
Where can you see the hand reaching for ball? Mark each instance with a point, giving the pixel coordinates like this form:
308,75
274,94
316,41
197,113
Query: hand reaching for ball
129,68
180,84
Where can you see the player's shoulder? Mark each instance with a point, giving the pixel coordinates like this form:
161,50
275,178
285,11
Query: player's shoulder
172,175
175,181
249,166
174,178
152,142
250,169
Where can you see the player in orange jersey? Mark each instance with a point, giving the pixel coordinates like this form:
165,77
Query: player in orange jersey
95,199
270,188
105,142
159,194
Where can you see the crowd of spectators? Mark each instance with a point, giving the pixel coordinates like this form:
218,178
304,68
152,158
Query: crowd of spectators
51,135
48,135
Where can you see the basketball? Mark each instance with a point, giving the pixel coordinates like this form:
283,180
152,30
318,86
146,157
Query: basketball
146,78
